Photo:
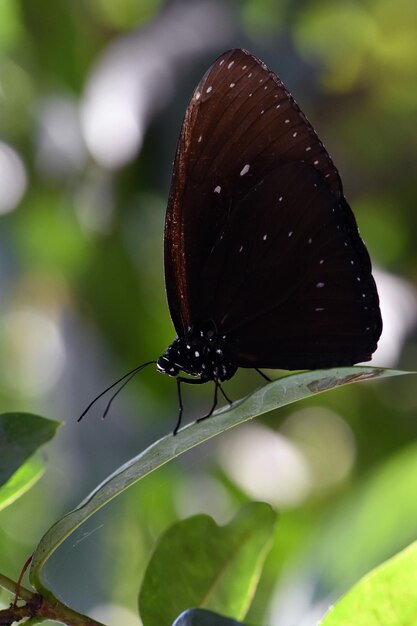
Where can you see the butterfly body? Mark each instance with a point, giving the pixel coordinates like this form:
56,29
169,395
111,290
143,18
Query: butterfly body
200,352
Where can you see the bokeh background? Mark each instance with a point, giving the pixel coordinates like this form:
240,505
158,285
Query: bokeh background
92,95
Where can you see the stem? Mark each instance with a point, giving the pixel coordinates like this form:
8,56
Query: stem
19,582
38,608
10,585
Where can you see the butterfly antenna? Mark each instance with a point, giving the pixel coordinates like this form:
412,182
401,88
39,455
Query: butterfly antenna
116,393
129,377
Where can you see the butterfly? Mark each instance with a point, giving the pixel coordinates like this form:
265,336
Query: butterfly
264,263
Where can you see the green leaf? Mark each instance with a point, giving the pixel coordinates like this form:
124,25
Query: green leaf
21,434
353,538
11,28
272,396
202,617
21,481
384,597
199,564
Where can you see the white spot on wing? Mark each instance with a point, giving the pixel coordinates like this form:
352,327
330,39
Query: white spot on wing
241,248
230,65
308,148
232,85
295,134
245,169
217,189
265,237
321,261
320,285
209,89
280,199
198,95
200,139
319,308
287,121
290,233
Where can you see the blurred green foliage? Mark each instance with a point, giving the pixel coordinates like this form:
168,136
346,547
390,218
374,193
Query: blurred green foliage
219,566
82,249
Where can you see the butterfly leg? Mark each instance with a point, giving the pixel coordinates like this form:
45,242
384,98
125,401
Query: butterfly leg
263,375
180,407
215,400
225,396
188,381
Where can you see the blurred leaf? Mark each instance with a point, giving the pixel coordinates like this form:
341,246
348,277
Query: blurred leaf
49,235
381,222
21,434
397,49
384,597
201,617
17,89
21,481
10,23
350,33
125,13
376,520
199,564
62,39
272,396
263,18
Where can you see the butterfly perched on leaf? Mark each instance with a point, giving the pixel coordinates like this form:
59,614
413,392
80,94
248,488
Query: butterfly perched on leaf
264,264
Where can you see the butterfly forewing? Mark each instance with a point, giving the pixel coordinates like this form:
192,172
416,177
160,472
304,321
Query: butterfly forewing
239,124
259,238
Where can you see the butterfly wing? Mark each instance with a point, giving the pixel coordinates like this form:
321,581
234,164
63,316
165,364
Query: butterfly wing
289,282
249,165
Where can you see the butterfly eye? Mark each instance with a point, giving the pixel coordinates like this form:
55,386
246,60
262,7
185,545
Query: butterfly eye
167,366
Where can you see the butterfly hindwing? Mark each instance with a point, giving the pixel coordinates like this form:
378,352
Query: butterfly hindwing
289,282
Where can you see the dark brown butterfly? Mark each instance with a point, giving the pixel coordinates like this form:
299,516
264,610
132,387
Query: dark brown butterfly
264,264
